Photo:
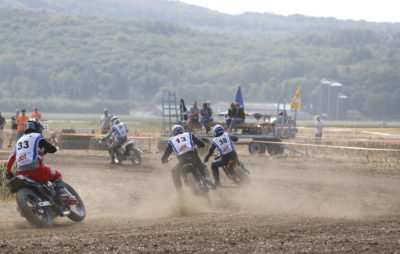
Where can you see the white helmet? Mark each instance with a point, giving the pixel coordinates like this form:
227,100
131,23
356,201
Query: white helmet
218,130
115,120
176,130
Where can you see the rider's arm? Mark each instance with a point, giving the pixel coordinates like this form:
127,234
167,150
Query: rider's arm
48,148
210,152
234,138
167,153
10,162
109,133
197,141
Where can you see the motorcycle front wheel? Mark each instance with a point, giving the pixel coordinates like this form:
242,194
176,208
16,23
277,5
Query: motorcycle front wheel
28,203
135,157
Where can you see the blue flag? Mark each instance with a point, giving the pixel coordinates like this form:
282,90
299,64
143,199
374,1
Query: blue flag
239,97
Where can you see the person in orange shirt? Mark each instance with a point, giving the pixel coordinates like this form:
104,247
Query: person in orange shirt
36,114
22,119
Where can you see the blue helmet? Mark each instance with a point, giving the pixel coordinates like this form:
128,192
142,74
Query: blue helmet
176,130
218,130
33,125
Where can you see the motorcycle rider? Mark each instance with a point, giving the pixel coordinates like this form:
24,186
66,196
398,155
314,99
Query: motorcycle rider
222,141
29,153
120,131
183,144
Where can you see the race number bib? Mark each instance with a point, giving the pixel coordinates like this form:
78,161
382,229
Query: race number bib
223,143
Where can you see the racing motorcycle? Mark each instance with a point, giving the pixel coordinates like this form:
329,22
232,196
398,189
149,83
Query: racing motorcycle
235,170
194,180
36,201
127,151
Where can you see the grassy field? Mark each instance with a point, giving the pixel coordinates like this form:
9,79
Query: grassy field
62,120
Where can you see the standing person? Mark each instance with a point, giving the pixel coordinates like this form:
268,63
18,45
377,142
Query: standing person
206,116
2,124
22,119
36,114
105,122
319,125
29,153
14,127
193,117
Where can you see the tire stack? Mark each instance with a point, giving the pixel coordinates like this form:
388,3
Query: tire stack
75,142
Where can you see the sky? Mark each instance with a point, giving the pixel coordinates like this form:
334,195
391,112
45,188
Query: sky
369,10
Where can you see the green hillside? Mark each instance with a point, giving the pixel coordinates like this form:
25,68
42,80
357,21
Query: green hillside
265,26
58,59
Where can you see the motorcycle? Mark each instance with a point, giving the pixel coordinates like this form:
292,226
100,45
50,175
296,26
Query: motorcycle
128,150
194,180
235,170
37,202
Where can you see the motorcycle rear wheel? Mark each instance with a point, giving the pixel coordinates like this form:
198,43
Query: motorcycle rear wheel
27,201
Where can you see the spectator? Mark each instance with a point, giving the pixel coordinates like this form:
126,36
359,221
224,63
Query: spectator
22,119
239,118
206,116
105,122
36,114
318,129
232,112
193,122
14,127
2,124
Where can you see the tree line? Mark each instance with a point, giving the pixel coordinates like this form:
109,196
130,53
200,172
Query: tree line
62,58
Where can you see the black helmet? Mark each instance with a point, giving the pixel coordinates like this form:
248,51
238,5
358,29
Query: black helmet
33,125
176,130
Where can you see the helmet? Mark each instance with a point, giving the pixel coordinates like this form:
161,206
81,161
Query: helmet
33,125
218,130
176,130
115,120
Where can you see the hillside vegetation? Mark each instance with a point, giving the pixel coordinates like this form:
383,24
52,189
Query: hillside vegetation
257,26
64,58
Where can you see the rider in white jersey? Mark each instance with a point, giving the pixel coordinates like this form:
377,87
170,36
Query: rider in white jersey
120,131
28,154
223,142
183,145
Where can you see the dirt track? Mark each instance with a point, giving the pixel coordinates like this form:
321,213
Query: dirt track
291,205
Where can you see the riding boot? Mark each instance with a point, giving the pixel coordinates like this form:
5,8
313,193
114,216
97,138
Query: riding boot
112,161
62,196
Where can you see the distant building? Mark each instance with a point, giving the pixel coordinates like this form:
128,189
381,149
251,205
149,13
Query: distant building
332,103
342,107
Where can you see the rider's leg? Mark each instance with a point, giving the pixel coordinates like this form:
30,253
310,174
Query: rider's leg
214,167
111,150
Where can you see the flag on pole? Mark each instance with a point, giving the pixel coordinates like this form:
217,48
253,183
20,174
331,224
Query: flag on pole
296,100
239,97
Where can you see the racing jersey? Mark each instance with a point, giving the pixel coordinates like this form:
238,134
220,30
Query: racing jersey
223,143
120,129
182,143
